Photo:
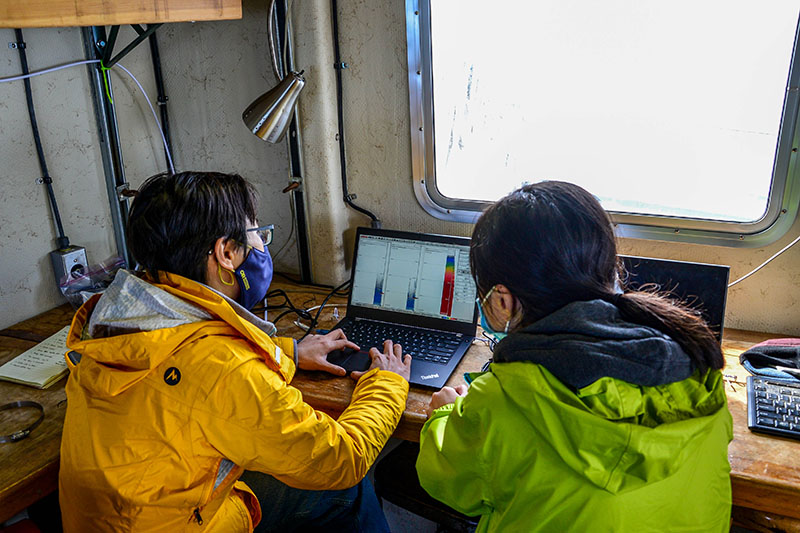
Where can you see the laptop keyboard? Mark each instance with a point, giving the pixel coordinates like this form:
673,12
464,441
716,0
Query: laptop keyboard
422,344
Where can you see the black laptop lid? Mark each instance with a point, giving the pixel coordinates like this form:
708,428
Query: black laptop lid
703,286
413,279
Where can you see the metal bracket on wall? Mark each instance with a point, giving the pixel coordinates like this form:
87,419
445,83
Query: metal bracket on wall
107,45
99,45
95,40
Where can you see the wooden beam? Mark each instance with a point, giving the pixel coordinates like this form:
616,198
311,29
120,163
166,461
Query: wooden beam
58,13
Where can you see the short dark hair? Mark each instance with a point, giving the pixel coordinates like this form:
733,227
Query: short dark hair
552,243
175,219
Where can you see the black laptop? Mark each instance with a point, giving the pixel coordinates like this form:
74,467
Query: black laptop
415,289
702,286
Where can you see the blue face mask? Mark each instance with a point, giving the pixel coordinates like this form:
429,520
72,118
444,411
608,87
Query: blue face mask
498,335
254,276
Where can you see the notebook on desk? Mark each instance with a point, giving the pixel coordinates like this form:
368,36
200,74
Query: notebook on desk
415,289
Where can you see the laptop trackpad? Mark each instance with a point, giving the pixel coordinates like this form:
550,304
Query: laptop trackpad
350,360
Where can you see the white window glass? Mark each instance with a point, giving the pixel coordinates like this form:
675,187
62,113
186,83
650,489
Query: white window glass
658,108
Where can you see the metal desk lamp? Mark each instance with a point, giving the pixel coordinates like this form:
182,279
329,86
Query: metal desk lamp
269,115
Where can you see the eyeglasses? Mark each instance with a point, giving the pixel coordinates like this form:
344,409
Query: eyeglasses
481,301
264,233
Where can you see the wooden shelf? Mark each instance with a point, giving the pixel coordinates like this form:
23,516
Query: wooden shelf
58,13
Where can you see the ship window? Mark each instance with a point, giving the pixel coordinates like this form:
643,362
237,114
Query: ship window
679,116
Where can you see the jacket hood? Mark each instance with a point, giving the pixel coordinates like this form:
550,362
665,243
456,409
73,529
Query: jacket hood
619,402
616,435
600,344
134,326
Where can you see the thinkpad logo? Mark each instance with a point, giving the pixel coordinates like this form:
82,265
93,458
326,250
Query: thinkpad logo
429,376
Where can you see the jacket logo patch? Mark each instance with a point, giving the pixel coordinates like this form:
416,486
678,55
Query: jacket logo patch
172,376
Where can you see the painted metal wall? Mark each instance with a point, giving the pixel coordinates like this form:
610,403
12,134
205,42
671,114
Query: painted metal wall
212,71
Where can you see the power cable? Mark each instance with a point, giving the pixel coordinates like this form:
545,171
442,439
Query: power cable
62,240
155,117
161,92
26,76
48,70
286,304
338,65
762,265
314,321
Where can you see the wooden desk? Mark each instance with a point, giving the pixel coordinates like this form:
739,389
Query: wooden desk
29,468
765,471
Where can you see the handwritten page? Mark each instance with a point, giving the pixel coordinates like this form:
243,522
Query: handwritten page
42,365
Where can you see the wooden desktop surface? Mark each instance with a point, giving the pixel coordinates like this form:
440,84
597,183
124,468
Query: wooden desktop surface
765,471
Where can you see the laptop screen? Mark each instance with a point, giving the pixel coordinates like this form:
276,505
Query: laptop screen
702,286
414,276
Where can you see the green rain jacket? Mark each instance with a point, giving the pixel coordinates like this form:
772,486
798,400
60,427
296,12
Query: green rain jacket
529,453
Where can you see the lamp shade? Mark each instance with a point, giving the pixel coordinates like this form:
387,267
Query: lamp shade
269,115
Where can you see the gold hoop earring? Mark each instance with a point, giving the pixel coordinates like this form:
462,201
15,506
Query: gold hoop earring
219,273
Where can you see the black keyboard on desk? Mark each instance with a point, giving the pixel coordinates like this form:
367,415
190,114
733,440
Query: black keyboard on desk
425,345
773,406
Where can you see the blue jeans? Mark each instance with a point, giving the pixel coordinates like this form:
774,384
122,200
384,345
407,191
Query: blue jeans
284,508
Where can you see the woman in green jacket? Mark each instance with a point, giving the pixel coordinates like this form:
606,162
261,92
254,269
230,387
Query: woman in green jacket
603,409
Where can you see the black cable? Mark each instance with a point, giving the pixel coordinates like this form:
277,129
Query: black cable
162,96
277,318
313,325
289,307
287,304
62,240
338,65
490,341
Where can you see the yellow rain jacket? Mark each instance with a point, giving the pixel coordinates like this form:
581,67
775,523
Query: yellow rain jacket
177,392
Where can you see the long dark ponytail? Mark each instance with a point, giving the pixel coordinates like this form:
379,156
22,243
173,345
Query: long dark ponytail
551,244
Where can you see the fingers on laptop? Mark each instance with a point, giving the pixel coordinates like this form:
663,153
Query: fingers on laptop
340,341
391,359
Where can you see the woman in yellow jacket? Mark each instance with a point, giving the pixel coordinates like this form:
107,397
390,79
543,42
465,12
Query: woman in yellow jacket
176,388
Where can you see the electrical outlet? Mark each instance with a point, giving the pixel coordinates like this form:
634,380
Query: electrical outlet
69,263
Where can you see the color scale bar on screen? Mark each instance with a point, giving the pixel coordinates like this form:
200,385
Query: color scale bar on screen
449,286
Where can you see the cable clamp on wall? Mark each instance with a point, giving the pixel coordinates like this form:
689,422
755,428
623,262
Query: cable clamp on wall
124,191
16,45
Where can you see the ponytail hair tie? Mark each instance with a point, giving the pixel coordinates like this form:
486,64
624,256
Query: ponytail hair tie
614,299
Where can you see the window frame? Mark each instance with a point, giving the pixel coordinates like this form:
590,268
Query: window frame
783,203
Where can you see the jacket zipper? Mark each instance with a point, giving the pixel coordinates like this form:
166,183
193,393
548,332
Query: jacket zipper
197,517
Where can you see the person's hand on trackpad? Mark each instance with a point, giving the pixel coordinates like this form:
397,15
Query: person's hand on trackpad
351,360
312,352
392,359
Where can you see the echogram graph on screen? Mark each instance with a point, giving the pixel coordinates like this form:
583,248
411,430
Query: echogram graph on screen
376,300
412,294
